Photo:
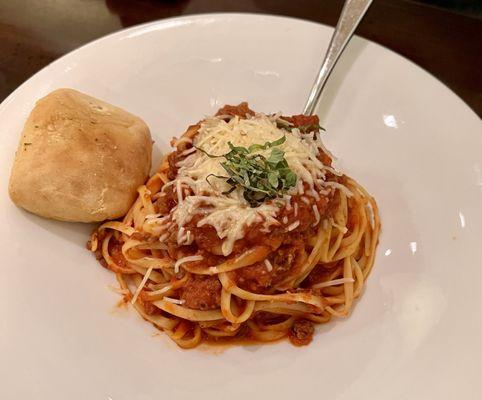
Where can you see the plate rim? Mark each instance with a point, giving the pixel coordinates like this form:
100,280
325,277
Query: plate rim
140,323
190,18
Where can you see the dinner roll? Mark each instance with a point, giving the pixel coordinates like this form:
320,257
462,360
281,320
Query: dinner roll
80,159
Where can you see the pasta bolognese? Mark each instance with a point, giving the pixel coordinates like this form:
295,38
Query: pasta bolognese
246,231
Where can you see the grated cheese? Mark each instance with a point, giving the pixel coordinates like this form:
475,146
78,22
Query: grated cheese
164,289
164,237
268,264
180,235
287,198
185,260
293,226
184,139
189,238
142,284
229,213
179,192
341,187
188,151
174,301
317,215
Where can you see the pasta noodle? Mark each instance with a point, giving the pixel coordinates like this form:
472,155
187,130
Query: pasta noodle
296,259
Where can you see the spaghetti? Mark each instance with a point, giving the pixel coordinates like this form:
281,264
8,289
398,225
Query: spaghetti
245,232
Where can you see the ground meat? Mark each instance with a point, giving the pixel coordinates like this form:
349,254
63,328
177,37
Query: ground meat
115,251
267,318
181,146
255,278
103,263
141,236
309,123
286,261
98,253
150,308
172,160
318,274
255,236
304,121
324,158
241,110
167,201
205,236
285,257
202,292
301,332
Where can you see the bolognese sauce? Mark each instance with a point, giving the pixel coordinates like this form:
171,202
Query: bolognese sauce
238,236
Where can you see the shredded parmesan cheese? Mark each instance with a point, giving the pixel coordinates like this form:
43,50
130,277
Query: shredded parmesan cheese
176,142
189,238
288,202
164,237
317,215
341,187
179,191
164,289
174,301
200,192
180,235
185,260
142,284
293,226
268,264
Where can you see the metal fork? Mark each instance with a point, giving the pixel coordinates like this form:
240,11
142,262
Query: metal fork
351,15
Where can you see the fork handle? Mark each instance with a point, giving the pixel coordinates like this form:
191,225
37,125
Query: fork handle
351,15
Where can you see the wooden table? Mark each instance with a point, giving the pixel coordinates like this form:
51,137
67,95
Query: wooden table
444,42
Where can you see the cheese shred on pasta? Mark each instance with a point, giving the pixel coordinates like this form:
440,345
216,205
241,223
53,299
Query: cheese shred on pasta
207,264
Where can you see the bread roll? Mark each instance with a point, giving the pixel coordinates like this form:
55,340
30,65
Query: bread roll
80,159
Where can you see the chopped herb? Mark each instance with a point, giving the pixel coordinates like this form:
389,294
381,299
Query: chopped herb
261,178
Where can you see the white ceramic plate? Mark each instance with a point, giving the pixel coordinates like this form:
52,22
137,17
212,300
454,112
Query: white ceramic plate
415,333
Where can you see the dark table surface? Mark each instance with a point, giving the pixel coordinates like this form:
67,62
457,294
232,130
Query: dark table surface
442,36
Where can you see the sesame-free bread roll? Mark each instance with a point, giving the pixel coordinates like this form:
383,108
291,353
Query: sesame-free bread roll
79,159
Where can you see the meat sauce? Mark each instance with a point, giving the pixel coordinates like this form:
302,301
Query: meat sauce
202,292
301,332
242,110
287,250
